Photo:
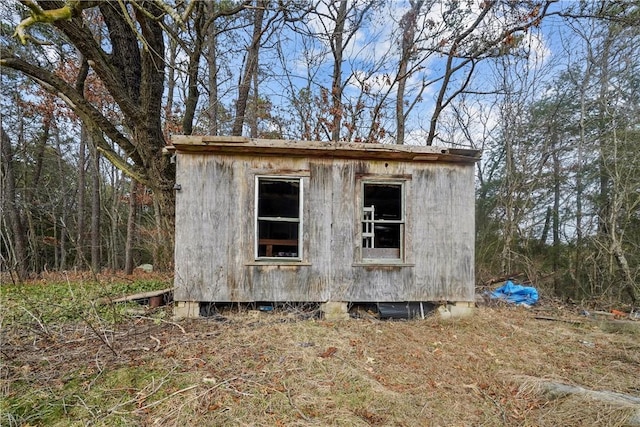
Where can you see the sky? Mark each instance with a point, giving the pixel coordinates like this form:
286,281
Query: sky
372,55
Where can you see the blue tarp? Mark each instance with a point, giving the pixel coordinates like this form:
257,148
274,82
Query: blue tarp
516,294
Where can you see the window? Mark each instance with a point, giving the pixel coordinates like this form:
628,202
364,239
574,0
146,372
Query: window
278,218
382,220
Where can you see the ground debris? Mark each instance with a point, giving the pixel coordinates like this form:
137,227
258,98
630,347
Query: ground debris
312,372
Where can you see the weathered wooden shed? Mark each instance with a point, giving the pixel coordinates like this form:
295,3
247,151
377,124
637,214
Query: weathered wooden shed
294,221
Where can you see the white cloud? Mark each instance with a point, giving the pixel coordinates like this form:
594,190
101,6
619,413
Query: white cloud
539,51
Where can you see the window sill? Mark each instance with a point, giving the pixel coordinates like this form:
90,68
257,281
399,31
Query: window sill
381,264
278,263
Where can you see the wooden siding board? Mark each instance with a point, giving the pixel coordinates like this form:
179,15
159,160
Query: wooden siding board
432,249
343,231
201,227
281,283
462,260
240,225
320,199
444,221
381,284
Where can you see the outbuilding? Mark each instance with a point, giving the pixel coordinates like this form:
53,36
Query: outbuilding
336,223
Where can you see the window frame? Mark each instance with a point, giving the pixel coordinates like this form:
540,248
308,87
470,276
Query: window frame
402,183
300,219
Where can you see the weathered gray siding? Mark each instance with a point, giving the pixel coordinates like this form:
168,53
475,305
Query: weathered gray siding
215,232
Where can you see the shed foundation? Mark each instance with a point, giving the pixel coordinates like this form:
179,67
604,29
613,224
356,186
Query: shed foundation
456,309
186,310
335,310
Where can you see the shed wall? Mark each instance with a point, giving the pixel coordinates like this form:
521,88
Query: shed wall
215,232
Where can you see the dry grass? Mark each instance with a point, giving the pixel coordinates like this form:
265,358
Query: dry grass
270,369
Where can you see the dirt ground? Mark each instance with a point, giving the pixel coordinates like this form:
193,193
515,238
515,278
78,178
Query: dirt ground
245,368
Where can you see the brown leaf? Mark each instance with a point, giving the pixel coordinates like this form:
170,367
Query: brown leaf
329,352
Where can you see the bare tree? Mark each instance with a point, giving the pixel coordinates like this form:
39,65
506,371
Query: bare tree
250,68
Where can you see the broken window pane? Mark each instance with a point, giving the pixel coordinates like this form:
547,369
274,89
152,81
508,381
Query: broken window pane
386,198
382,221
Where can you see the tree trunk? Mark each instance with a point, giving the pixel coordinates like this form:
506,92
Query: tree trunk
251,66
63,237
62,241
80,260
164,205
555,390
131,228
56,252
171,85
509,190
39,154
556,211
545,228
336,83
34,241
629,285
603,198
13,213
579,185
254,108
35,265
193,94
408,26
95,211
114,218
212,44
509,219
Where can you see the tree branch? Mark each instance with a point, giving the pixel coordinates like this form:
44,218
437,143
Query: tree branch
80,35
38,15
76,101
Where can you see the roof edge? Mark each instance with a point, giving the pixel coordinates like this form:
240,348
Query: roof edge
294,148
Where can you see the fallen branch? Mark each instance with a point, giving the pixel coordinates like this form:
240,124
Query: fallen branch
558,390
302,414
44,329
157,342
133,297
503,414
555,390
141,395
502,278
157,402
557,319
142,295
163,321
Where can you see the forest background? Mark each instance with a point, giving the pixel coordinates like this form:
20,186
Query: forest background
550,91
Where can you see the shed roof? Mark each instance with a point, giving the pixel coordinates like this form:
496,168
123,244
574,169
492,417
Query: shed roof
293,148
